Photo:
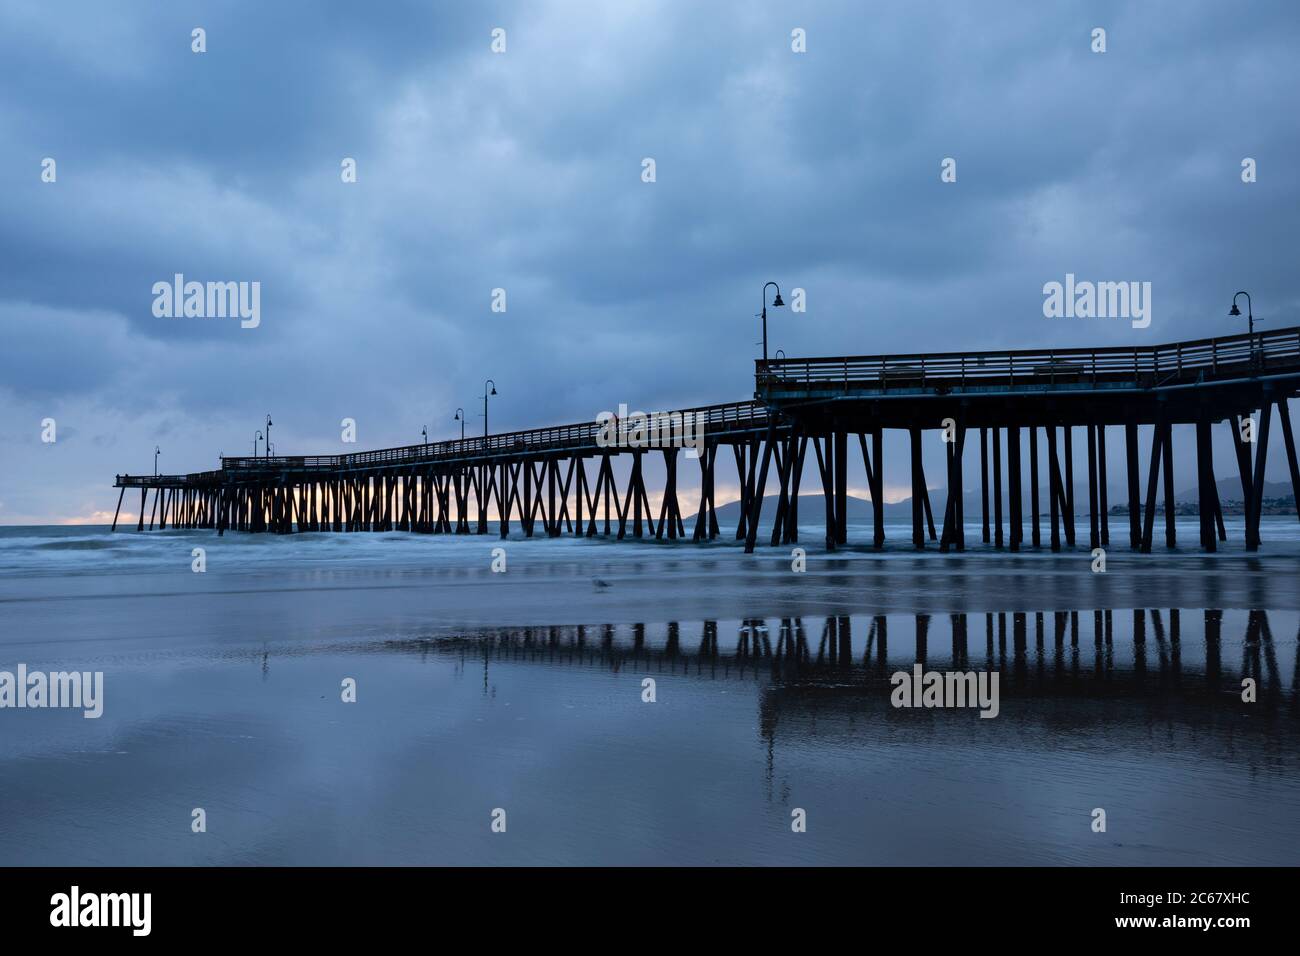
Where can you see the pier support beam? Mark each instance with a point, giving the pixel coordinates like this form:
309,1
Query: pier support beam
997,487
1016,503
952,516
984,483
1284,416
1257,491
1069,485
1153,479
1101,486
878,489
841,486
826,466
873,473
798,446
1094,526
1243,469
1054,495
757,496
918,491
1207,494
1035,502
785,455
1134,503
747,451
1171,509
706,520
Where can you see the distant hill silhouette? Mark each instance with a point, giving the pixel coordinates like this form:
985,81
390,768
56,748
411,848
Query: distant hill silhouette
812,507
1230,490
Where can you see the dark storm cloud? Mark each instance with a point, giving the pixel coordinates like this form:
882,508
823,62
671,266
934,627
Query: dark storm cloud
522,171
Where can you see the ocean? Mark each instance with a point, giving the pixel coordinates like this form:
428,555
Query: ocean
503,717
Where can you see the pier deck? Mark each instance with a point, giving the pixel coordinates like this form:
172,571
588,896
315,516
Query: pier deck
540,476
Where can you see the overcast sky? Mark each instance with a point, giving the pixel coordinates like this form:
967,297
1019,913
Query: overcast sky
522,170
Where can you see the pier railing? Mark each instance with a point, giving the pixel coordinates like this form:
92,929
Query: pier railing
728,417
198,479
1226,357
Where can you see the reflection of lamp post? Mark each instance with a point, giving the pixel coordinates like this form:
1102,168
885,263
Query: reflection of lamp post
268,434
460,417
256,441
486,393
776,304
155,459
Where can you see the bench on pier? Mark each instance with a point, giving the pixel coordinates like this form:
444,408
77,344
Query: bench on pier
902,375
1060,371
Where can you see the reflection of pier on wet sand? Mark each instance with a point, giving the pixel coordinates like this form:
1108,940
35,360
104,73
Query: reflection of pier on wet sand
1196,660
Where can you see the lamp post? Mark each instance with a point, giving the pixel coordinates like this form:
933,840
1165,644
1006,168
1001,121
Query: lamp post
1250,312
268,434
424,433
486,393
460,417
776,304
256,441
156,452
1250,319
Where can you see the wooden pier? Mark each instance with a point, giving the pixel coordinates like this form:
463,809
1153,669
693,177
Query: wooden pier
561,480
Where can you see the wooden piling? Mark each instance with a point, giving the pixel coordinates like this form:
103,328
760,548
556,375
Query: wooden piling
118,509
1035,499
1171,508
1068,480
997,487
1134,504
918,491
1054,487
841,486
1284,416
1102,504
1257,491
984,482
1094,526
1153,478
1016,502
1207,496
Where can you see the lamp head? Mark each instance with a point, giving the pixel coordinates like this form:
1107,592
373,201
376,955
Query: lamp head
494,389
1234,310
777,302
